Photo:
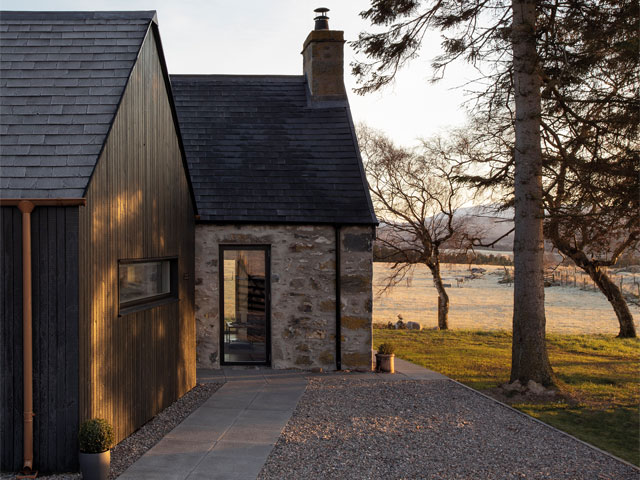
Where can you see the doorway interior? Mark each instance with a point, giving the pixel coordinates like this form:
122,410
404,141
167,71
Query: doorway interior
245,304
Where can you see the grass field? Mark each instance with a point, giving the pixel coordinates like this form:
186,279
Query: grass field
484,304
598,377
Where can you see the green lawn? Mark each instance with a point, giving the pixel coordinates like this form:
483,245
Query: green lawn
597,375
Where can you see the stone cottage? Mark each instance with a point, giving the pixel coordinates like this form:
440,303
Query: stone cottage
285,227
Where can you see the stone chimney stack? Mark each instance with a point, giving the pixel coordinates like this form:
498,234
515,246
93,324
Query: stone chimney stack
323,60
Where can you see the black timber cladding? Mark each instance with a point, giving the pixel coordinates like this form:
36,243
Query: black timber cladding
54,246
258,152
62,75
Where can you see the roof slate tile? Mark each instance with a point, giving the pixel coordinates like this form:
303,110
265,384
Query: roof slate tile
62,75
257,152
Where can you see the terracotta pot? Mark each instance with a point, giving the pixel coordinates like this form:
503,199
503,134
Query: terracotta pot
95,466
385,363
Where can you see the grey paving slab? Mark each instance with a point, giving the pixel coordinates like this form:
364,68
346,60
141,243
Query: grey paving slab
233,460
212,416
231,435
155,465
199,433
210,375
278,401
258,419
230,400
416,372
267,434
182,444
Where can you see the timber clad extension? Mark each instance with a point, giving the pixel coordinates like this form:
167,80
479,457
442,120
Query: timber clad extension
132,366
87,115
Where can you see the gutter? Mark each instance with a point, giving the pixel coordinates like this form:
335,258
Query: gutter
338,302
44,202
26,206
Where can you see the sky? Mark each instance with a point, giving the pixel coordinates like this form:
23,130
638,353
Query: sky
265,37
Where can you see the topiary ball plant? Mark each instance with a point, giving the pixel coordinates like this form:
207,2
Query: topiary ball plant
96,436
386,348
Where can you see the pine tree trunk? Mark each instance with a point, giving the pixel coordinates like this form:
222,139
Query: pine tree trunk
443,298
529,360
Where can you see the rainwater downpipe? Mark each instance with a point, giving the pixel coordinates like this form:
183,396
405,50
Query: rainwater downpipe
26,208
338,303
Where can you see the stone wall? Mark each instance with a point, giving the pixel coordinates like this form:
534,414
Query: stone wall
302,293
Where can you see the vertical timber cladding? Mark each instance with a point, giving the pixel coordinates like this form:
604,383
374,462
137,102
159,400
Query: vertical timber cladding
54,237
303,309
138,206
10,339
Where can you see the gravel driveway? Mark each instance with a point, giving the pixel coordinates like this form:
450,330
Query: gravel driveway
371,427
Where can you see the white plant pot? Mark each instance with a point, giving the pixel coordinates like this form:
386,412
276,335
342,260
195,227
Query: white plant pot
385,363
95,466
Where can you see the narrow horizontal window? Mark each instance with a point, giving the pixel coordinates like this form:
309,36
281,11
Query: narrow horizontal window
142,282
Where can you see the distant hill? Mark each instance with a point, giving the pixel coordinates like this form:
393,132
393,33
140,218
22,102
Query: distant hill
482,219
491,223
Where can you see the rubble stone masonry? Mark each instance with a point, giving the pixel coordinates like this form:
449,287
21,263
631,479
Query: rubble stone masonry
303,293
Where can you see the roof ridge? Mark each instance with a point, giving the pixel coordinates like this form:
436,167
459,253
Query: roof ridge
213,76
76,15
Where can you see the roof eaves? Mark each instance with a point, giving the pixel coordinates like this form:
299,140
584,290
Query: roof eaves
205,221
363,175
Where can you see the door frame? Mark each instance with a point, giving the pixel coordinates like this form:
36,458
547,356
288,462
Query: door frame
267,253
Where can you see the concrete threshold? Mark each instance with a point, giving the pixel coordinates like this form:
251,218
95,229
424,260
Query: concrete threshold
231,435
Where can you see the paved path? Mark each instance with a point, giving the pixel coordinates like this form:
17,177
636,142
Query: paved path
231,435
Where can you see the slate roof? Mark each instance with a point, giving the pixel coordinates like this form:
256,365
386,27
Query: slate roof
258,152
62,75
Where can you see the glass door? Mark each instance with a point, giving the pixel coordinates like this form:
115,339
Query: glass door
244,303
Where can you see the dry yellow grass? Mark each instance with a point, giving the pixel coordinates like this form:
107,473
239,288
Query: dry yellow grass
483,304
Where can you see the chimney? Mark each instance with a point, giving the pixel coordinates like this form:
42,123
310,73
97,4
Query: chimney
323,60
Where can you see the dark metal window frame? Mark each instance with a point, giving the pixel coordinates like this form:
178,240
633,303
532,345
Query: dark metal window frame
125,308
267,249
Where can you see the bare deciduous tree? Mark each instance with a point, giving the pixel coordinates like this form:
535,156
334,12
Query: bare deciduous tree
416,197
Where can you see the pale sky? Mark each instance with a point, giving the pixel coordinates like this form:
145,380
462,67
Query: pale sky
265,37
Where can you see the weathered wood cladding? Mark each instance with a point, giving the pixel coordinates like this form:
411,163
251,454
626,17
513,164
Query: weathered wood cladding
54,239
10,339
138,206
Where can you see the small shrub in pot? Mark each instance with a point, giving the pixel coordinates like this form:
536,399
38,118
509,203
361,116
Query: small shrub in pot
385,358
95,438
386,348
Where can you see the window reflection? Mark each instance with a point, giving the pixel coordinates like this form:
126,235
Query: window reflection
245,305
143,280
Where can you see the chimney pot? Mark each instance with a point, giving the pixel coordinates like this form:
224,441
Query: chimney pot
322,21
